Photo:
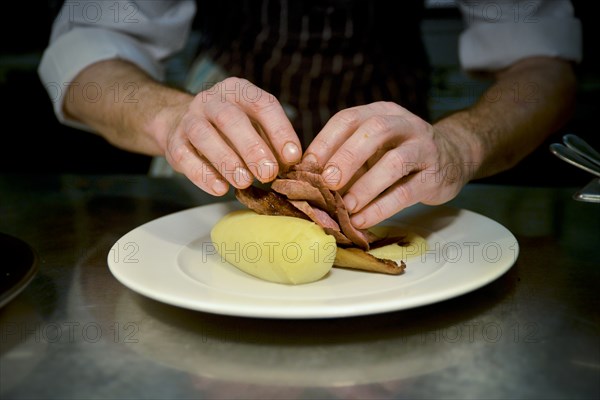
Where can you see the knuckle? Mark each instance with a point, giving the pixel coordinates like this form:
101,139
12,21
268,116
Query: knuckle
259,100
394,160
349,117
232,83
227,115
378,211
198,128
253,151
177,154
232,80
402,195
389,107
282,133
345,155
378,124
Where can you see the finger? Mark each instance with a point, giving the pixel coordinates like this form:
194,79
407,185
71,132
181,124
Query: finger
343,124
184,158
265,109
335,132
361,171
209,143
376,133
237,131
392,166
402,194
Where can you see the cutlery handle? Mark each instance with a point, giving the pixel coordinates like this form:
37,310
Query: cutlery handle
572,157
580,146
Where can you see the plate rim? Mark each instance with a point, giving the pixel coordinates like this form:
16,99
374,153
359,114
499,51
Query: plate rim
270,312
30,273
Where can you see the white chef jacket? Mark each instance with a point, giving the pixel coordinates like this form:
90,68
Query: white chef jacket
497,33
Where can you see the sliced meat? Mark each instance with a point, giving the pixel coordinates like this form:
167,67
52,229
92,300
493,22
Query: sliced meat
359,259
360,237
322,219
317,181
267,202
317,215
299,190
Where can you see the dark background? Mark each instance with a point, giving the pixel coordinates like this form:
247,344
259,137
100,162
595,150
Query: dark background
34,142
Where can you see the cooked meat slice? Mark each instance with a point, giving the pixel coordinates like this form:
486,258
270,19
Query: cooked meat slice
299,190
317,181
360,237
359,259
317,215
322,219
267,202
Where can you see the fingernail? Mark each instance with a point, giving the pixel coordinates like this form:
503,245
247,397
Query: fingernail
311,158
357,220
291,152
219,187
350,202
241,176
332,175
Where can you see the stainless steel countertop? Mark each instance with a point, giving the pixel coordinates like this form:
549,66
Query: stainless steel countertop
76,332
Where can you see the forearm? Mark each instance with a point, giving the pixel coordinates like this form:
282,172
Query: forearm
528,102
124,105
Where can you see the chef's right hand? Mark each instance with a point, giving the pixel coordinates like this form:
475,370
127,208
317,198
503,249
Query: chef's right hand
230,134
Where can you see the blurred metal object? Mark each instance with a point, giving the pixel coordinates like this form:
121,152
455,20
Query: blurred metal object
579,153
590,192
572,157
581,147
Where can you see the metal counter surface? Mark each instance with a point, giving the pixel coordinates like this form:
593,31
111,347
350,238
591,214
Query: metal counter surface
76,332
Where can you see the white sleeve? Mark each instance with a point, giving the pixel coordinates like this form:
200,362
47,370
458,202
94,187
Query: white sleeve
500,32
143,32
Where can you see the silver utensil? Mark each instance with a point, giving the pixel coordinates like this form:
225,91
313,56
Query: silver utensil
579,153
575,158
589,193
580,146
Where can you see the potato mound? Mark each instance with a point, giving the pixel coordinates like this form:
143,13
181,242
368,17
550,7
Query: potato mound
274,248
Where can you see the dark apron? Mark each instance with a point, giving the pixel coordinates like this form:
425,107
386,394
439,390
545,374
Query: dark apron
321,56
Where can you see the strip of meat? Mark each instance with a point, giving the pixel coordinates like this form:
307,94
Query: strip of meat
360,237
317,215
299,190
322,219
359,259
267,202
317,181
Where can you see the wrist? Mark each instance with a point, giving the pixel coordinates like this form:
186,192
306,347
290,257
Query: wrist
465,149
163,113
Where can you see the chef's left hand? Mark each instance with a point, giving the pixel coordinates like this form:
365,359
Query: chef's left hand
384,158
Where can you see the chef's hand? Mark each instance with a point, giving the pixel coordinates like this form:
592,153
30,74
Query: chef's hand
229,134
384,158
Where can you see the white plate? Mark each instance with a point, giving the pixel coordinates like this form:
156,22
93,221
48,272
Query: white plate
172,260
